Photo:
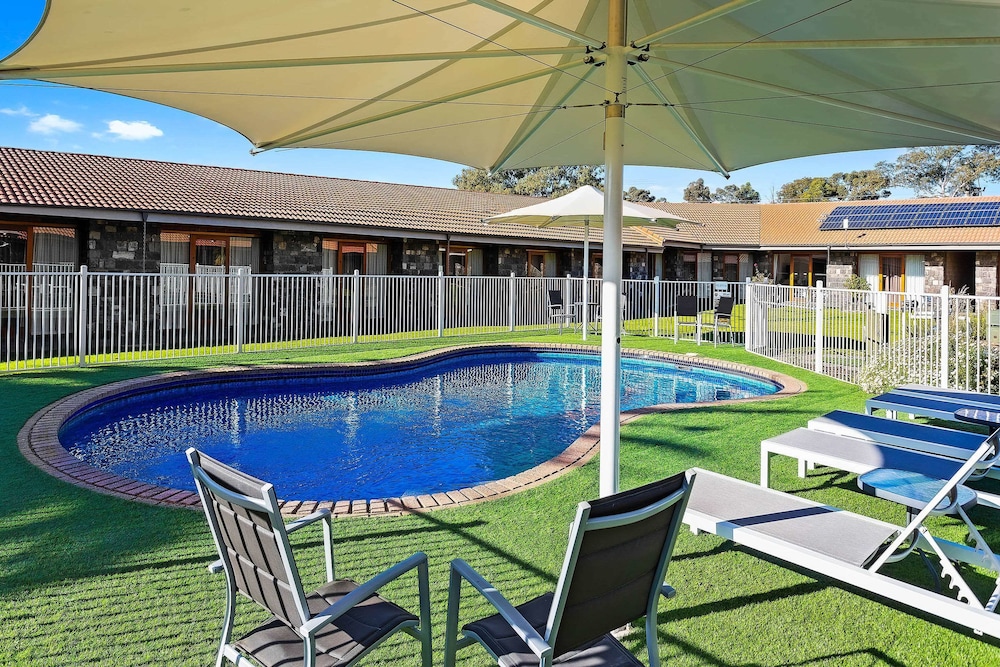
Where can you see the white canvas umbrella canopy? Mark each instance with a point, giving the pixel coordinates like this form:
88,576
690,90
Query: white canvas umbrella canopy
706,84
584,207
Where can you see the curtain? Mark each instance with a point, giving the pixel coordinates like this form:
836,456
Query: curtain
746,266
55,249
378,259
914,272
550,265
175,252
330,256
704,267
475,258
868,269
244,253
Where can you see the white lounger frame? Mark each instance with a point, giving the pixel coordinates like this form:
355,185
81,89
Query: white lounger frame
967,611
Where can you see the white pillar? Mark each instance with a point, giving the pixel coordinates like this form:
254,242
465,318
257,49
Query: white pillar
586,275
611,284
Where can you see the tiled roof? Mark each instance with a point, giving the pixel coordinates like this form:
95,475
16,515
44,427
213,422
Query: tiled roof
719,225
47,178
789,225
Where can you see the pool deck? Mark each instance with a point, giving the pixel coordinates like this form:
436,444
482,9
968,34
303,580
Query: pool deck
39,442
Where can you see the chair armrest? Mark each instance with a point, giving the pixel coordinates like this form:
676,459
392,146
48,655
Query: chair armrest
364,591
518,623
215,566
292,526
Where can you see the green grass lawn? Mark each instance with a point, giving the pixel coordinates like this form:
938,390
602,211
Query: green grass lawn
89,579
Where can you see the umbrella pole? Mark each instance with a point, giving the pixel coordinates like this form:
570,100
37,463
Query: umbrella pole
611,283
586,275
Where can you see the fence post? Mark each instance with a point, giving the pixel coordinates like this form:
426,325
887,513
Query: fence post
656,306
82,316
355,305
943,328
510,302
240,305
820,298
440,301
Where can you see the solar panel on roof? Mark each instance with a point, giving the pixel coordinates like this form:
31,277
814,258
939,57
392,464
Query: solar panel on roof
913,216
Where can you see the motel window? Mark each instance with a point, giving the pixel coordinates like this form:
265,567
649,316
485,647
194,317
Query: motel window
731,268
541,263
38,248
689,266
344,257
181,252
464,261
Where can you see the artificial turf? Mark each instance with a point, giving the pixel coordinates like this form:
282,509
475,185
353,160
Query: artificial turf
90,579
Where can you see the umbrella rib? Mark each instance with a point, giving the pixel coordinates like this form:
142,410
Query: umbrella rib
531,19
301,136
823,99
516,144
708,150
704,17
825,44
73,71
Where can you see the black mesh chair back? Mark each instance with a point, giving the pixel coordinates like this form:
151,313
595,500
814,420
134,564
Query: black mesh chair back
614,571
725,307
555,298
686,306
251,538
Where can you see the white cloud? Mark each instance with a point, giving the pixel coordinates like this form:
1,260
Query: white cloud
136,130
51,123
20,111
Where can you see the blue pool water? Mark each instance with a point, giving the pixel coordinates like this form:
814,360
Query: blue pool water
444,425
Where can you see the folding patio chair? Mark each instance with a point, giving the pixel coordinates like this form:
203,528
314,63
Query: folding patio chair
686,314
560,310
335,625
617,557
723,319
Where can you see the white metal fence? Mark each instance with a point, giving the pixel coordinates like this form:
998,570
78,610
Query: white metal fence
61,318
879,339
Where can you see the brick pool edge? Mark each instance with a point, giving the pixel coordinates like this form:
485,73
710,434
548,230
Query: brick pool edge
38,439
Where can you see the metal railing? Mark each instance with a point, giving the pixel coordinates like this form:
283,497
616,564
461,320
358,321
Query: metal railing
64,318
879,339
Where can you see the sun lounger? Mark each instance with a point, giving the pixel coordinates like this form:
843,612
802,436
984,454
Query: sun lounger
927,401
858,456
976,399
846,546
924,406
906,435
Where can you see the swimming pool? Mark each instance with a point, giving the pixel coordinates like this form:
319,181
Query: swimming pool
443,424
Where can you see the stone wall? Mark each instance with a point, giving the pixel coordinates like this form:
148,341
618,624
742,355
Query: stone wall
636,266
933,272
840,268
420,258
512,259
986,273
119,247
294,253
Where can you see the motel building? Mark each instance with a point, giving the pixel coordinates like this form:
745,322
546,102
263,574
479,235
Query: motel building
62,211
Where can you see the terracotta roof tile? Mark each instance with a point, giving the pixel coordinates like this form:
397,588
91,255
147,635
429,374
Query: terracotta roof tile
47,178
790,225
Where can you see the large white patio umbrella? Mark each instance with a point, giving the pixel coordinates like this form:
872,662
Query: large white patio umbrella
584,207
705,84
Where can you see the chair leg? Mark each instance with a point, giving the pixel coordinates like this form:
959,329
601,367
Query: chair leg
424,591
451,622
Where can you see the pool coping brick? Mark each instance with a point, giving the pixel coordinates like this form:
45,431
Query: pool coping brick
39,443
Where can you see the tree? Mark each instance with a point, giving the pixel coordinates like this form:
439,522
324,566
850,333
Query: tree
639,195
808,188
697,191
532,182
736,194
863,184
945,171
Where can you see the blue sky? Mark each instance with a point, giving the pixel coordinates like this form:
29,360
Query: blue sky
42,116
